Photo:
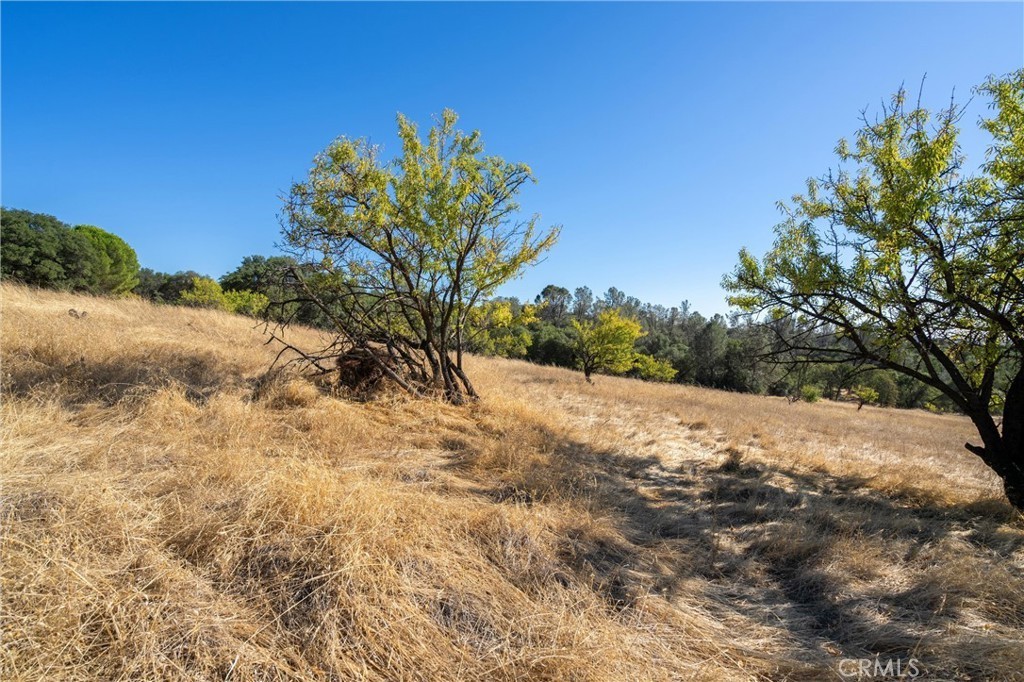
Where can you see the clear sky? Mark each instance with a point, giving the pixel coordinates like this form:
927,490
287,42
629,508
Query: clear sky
661,134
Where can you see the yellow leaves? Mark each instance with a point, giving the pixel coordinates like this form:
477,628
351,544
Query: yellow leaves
607,343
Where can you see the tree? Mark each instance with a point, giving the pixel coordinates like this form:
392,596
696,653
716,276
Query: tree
914,265
41,251
606,344
550,345
650,368
119,266
161,287
406,248
583,303
500,327
205,292
554,302
259,274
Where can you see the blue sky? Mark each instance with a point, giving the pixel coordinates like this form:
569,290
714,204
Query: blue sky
662,135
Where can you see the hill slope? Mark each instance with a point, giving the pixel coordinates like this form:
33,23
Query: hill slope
170,513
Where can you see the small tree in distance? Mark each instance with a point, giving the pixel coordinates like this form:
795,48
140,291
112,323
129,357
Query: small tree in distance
397,253
904,262
606,344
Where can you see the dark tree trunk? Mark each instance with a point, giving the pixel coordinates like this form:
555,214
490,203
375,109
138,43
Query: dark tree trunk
1004,452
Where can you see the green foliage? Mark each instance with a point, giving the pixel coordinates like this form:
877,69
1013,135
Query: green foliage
866,395
651,369
205,292
905,262
41,251
243,302
606,344
161,287
258,273
551,345
408,247
810,393
902,249
270,276
500,327
553,304
118,265
885,385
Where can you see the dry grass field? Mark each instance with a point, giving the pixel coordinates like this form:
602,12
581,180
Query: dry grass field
169,512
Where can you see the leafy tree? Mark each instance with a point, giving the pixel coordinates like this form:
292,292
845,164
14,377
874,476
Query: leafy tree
550,345
583,303
119,266
41,251
205,292
915,264
707,352
606,344
408,247
865,396
810,393
500,327
554,303
883,382
259,274
161,287
652,369
251,303
149,284
271,277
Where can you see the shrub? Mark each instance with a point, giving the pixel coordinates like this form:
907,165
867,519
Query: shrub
652,369
810,394
207,293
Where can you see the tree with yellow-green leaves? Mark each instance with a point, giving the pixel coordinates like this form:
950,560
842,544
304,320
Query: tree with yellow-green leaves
606,343
398,253
903,260
497,327
207,293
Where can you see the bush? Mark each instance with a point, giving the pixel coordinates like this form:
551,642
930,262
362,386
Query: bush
207,293
245,302
650,368
865,395
810,394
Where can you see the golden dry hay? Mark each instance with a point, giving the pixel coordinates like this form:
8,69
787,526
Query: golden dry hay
169,513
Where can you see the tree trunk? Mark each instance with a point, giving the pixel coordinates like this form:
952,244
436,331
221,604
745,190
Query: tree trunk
1004,453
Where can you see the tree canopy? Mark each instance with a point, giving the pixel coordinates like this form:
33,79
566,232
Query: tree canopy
398,252
118,271
901,259
606,344
41,251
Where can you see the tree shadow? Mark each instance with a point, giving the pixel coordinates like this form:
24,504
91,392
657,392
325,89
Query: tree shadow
842,569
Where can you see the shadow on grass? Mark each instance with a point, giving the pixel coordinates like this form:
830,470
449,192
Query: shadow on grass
80,380
844,570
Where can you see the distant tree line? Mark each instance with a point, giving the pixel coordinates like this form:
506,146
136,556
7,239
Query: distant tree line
612,333
680,345
39,250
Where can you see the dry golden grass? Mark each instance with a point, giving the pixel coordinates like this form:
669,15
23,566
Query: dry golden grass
170,512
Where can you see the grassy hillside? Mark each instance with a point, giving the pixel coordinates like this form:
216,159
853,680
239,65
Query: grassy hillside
168,512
